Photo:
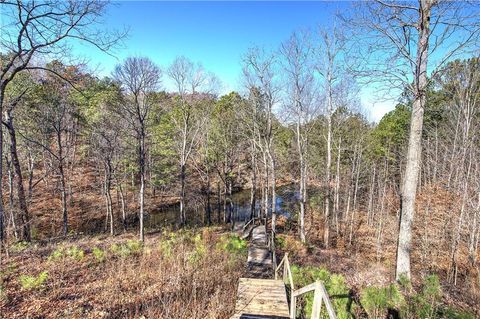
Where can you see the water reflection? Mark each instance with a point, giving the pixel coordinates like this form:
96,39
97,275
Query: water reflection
286,202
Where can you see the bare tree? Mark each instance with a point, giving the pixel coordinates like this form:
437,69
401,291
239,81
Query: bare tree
402,42
189,79
297,54
23,218
330,55
139,78
260,71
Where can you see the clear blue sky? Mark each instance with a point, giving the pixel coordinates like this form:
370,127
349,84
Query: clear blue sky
213,33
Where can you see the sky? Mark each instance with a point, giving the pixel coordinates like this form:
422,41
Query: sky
215,34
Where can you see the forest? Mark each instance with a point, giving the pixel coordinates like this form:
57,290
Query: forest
120,193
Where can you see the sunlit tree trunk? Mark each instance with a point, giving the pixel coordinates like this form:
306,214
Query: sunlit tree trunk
409,190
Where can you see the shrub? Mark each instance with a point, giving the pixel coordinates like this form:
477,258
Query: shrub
99,254
334,284
166,247
424,304
134,246
72,252
56,254
376,300
280,242
233,244
131,247
75,253
199,251
33,282
411,304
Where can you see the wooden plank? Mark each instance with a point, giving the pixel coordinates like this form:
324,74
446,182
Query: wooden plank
265,297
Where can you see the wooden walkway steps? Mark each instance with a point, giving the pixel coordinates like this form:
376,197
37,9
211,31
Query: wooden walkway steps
260,295
259,262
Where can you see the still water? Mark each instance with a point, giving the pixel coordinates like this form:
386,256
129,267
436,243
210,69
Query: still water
169,215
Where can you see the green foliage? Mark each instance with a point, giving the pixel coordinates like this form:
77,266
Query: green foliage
33,282
376,300
167,245
391,133
20,246
401,297
199,251
334,284
405,283
56,254
99,254
73,252
280,242
426,302
131,247
233,244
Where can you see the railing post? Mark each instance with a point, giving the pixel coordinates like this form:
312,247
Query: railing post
293,306
317,300
285,270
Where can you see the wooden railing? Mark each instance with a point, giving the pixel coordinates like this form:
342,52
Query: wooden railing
252,220
320,294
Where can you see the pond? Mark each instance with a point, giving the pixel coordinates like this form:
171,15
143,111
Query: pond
286,205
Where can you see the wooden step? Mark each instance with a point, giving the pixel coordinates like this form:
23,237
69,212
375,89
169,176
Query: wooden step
261,298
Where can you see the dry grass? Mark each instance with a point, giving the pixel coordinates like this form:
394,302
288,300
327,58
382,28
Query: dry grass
174,275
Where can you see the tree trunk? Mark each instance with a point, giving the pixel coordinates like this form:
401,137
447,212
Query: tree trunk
142,180
122,201
208,208
63,183
274,195
409,190
266,186
302,187
182,193
253,190
337,188
108,196
2,210
219,204
24,215
11,177
30,177
326,234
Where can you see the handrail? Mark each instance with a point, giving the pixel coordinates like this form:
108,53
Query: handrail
248,223
320,293
287,272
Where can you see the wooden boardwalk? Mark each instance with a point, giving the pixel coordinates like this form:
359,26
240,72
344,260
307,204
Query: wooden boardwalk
259,296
